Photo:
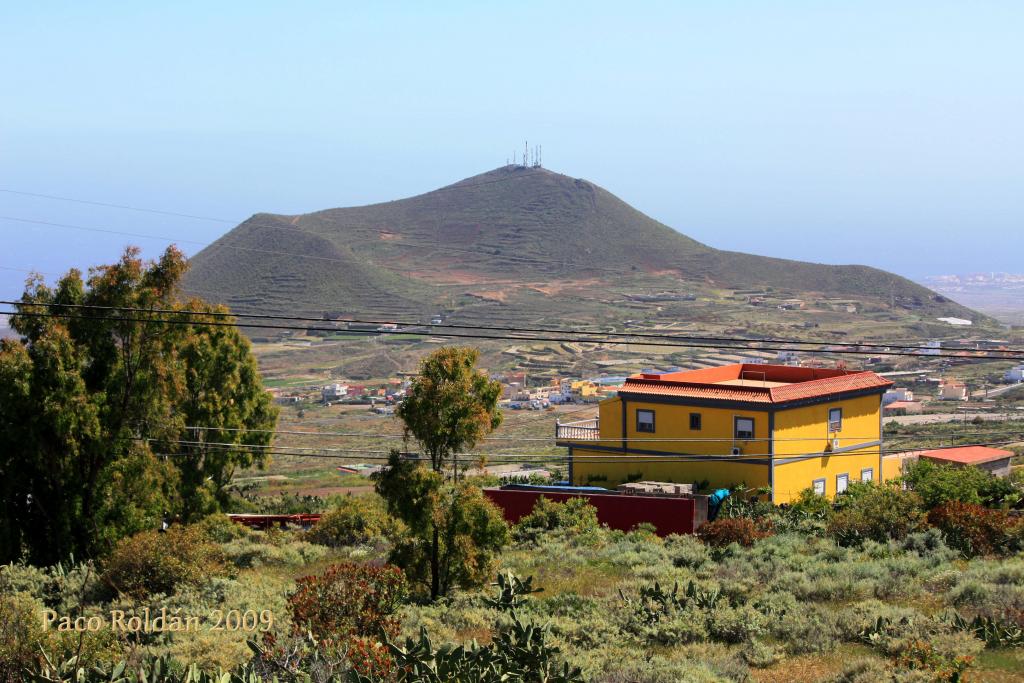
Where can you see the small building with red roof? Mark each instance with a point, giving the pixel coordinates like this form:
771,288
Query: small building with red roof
778,427
994,460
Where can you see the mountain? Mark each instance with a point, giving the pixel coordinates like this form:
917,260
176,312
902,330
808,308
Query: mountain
526,244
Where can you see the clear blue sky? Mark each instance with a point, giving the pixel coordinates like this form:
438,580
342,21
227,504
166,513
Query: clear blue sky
886,133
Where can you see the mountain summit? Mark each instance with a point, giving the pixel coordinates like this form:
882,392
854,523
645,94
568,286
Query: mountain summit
517,244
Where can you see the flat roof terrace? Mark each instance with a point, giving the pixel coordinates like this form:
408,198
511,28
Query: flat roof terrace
755,383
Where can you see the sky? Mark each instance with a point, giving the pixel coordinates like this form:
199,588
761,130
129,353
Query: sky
889,134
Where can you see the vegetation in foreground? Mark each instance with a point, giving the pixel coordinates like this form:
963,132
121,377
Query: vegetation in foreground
875,587
120,407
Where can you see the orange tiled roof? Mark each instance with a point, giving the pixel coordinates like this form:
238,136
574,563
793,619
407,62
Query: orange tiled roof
967,455
797,383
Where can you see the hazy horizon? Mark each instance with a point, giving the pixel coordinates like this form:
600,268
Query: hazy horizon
885,135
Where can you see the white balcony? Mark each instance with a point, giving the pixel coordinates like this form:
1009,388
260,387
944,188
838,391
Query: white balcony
580,430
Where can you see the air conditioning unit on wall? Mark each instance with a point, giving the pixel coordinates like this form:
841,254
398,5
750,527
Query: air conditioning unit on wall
736,450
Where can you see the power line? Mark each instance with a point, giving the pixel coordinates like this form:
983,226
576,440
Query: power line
607,459
544,439
628,336
275,252
39,195
90,202
1015,356
278,226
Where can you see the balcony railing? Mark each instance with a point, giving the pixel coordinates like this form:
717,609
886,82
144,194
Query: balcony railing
581,430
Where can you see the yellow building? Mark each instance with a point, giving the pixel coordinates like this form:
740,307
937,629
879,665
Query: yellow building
782,427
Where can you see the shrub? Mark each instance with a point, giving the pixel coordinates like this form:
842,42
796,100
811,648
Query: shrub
807,629
974,530
927,543
220,529
151,562
878,513
348,600
575,515
21,636
945,657
810,503
742,530
760,655
356,520
939,483
257,551
734,625
686,551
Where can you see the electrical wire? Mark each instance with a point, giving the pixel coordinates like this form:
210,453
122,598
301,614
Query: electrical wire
531,330
520,337
546,439
533,457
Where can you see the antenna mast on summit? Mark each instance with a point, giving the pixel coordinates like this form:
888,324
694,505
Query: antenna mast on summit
526,151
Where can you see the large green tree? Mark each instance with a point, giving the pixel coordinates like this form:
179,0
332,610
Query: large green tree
99,409
451,405
454,532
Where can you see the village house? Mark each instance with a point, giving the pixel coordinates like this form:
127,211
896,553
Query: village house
333,392
953,390
995,461
897,408
897,394
1015,374
781,427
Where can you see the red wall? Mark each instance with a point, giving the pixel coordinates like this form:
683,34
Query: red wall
668,515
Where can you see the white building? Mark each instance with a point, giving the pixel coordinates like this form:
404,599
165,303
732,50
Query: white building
953,391
334,392
1015,374
932,348
897,394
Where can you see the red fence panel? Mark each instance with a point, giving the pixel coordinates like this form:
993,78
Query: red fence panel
668,515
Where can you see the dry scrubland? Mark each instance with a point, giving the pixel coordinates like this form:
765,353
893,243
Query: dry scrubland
874,590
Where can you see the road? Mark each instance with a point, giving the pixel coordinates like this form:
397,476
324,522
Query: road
951,417
993,392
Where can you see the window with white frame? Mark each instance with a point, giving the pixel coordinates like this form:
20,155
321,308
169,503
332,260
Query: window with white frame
744,428
819,486
867,474
645,421
842,482
835,419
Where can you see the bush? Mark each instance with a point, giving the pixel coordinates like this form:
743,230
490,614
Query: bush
760,655
810,503
151,562
945,656
21,636
575,515
742,530
974,530
877,513
356,520
220,529
938,483
349,600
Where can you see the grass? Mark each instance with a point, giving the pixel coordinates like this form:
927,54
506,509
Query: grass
798,596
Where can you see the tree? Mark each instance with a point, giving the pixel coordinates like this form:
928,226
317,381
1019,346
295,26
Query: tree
451,405
94,406
940,483
453,533
453,530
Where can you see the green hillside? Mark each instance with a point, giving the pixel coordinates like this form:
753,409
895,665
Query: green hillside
523,244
